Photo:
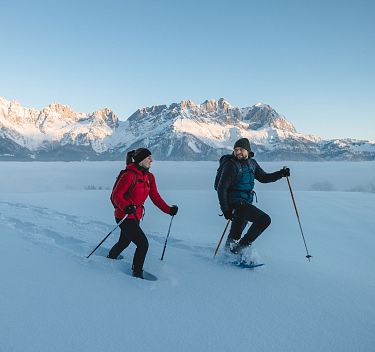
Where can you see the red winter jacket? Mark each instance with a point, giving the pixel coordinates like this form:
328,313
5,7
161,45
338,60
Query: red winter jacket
144,187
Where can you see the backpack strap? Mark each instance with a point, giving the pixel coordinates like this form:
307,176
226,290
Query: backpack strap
238,168
130,189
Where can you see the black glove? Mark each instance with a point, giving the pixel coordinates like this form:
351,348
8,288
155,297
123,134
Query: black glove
130,209
228,214
173,211
285,172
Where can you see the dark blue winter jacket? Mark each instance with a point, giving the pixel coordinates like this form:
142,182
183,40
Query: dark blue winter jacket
237,181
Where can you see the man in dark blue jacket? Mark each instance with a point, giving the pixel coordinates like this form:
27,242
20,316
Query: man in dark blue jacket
236,191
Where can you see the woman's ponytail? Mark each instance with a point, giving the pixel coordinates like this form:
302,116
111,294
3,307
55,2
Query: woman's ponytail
129,157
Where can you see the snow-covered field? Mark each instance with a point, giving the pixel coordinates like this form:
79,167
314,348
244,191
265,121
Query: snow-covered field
54,299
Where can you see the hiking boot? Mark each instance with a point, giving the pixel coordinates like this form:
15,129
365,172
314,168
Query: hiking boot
239,248
138,274
236,249
119,257
230,244
247,254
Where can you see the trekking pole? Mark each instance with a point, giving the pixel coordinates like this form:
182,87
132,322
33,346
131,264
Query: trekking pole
221,238
108,235
308,256
165,244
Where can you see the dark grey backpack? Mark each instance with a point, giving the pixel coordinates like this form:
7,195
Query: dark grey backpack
223,161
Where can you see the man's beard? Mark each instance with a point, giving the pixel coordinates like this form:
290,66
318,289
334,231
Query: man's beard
240,157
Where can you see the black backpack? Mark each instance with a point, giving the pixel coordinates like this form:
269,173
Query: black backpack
223,161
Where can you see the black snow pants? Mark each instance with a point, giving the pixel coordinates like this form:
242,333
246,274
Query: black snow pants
243,213
131,232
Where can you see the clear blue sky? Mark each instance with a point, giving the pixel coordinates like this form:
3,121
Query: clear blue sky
313,61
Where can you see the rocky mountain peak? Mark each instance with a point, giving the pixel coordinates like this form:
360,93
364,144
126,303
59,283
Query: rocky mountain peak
224,105
263,106
106,116
57,114
3,101
63,110
213,105
262,115
16,114
9,106
187,104
145,112
209,105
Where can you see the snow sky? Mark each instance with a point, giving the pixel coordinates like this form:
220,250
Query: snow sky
311,61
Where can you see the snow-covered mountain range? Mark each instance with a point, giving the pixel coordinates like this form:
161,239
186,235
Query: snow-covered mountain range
181,131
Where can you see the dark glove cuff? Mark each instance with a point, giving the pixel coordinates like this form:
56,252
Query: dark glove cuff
284,172
173,210
130,209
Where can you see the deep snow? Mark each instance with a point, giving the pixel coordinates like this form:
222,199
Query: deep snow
53,299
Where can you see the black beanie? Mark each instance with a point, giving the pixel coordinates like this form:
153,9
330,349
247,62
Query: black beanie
245,144
141,154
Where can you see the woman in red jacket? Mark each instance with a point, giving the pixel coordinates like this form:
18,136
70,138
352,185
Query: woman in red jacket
132,188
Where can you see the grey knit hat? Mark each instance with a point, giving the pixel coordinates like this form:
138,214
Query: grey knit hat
245,144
